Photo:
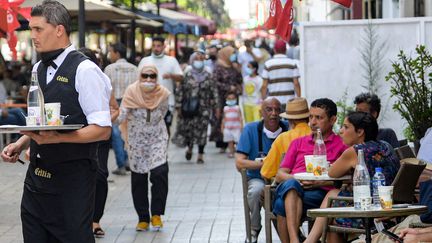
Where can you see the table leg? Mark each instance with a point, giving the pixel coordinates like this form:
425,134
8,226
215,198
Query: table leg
366,222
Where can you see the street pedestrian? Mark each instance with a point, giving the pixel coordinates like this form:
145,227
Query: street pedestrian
196,99
169,73
142,125
121,74
228,78
59,188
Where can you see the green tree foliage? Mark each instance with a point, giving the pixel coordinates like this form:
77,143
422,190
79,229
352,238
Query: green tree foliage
411,80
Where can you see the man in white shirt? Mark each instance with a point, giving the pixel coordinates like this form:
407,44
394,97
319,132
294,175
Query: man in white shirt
251,54
425,151
169,72
59,188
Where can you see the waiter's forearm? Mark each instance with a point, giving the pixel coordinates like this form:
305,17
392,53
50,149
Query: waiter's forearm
23,142
88,134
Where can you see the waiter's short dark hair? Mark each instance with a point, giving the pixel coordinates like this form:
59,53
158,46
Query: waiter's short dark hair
55,13
159,38
119,48
326,104
371,99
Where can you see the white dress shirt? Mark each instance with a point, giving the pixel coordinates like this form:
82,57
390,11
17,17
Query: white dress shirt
93,87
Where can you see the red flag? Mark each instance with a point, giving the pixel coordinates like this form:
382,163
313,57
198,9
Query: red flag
12,42
345,3
274,13
286,21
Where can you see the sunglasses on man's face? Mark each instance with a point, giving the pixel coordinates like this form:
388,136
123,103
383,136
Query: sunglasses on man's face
146,75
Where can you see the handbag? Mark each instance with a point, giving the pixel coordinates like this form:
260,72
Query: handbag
190,107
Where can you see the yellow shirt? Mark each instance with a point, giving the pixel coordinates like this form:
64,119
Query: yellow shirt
280,147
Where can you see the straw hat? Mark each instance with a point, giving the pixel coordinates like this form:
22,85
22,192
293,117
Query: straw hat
296,108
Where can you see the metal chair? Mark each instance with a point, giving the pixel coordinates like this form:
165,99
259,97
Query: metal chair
404,186
269,217
246,205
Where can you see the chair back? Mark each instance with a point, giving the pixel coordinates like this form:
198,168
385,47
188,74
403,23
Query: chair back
405,151
405,182
246,205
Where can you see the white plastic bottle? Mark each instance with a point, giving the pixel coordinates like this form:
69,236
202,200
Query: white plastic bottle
320,151
361,180
377,181
35,101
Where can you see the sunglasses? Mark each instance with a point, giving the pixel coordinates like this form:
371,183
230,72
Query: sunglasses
145,75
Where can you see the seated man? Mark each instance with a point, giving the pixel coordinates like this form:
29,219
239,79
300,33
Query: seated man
255,141
297,113
370,103
294,198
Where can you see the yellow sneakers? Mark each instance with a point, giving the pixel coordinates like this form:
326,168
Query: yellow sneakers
156,221
142,226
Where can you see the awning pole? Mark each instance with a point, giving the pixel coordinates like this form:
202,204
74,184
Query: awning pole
132,36
81,23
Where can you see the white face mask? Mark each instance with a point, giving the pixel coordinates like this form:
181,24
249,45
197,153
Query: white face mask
158,56
148,86
198,64
270,134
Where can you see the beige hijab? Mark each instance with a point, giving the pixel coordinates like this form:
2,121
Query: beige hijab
135,97
224,56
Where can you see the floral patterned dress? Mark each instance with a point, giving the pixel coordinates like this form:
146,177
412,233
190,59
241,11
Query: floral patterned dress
194,130
226,79
377,154
147,137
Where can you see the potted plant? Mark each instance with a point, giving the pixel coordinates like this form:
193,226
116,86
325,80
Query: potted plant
412,86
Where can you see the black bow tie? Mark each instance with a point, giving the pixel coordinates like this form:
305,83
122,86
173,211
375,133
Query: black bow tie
49,56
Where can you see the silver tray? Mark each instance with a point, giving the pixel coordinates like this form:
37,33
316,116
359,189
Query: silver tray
17,129
312,177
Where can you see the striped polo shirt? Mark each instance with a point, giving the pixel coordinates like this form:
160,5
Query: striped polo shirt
280,72
232,117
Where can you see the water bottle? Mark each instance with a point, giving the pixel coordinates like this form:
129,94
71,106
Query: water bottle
320,152
361,181
377,181
35,101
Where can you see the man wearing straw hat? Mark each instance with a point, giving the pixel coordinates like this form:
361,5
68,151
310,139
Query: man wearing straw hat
297,113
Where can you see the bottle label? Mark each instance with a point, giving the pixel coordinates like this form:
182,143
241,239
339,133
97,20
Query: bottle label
33,111
33,88
361,191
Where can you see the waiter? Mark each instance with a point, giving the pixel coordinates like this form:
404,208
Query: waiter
58,196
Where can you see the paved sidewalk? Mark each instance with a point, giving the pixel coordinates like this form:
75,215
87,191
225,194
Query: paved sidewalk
204,203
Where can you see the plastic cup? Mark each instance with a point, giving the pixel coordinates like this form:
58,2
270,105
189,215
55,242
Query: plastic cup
386,196
52,111
320,165
309,163
365,203
31,120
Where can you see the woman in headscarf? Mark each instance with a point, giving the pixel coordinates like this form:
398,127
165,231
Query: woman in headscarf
192,128
142,112
228,78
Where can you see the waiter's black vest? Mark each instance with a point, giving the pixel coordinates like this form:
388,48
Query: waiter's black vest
62,89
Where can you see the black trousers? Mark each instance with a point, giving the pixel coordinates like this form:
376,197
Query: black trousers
159,192
57,203
101,180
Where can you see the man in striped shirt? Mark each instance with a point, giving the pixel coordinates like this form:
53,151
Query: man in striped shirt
281,76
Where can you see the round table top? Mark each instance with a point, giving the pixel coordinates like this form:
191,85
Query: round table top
350,212
311,177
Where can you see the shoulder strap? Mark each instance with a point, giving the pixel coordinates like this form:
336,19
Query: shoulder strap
260,131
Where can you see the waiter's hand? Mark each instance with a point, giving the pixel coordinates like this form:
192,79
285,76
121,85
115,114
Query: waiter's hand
44,137
11,153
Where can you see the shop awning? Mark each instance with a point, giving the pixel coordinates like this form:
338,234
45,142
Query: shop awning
96,10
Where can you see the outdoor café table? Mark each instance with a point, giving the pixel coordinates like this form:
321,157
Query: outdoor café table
365,215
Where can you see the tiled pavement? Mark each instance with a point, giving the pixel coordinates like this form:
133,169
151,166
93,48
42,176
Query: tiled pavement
204,203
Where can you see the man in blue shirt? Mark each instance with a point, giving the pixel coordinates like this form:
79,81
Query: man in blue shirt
255,142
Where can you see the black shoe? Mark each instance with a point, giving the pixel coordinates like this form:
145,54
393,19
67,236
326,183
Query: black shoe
188,155
119,171
127,168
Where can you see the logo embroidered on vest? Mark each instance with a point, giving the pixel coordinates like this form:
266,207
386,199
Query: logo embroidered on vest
42,173
62,79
